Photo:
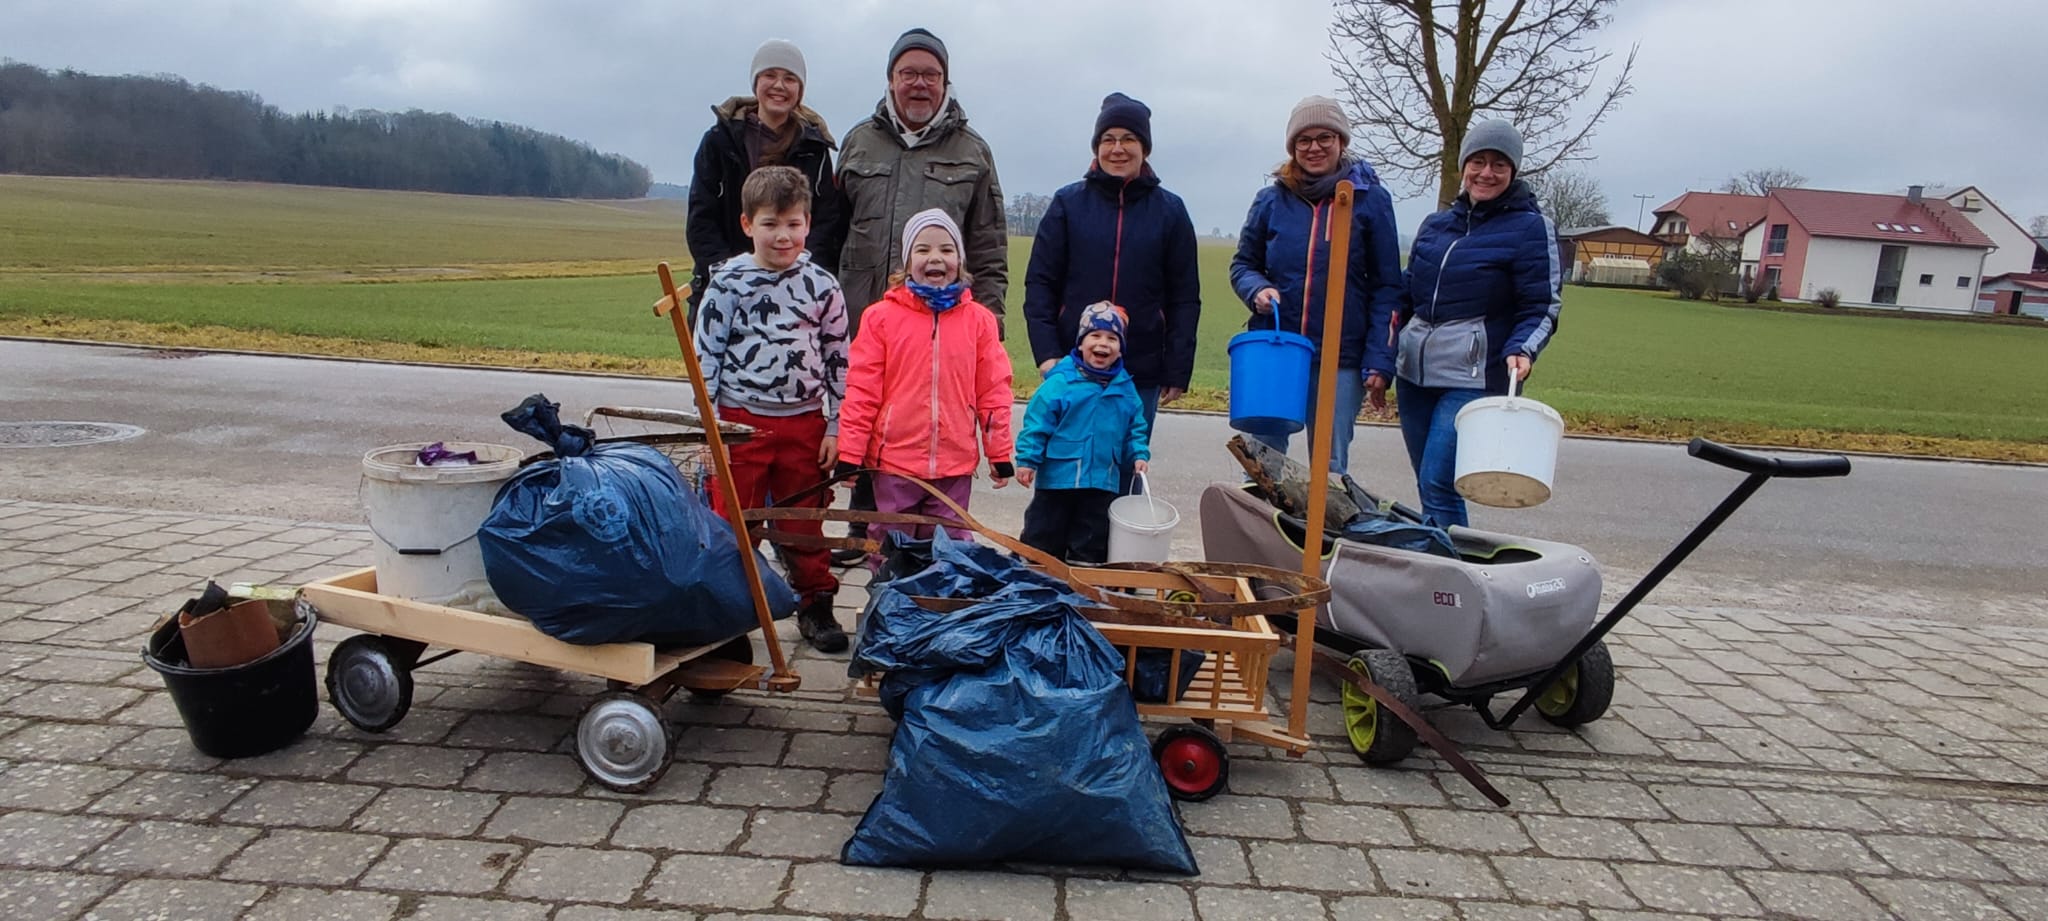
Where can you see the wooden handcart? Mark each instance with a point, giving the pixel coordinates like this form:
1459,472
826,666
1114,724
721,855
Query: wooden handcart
622,740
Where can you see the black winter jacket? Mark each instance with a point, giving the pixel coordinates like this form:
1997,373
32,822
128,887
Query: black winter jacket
713,227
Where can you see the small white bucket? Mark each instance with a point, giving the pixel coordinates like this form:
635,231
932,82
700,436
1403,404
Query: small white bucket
425,521
1141,527
1507,450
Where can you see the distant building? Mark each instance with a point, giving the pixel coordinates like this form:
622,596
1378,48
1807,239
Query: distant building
1708,223
2018,252
1610,255
2015,295
1907,251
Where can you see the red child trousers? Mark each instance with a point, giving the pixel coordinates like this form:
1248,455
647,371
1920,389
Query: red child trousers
782,460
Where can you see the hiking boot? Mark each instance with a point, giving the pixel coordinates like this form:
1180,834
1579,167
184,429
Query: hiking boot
849,556
819,628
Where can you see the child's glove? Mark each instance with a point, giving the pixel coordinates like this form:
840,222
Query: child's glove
1003,469
842,469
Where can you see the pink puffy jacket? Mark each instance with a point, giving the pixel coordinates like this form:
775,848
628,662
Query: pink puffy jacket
920,385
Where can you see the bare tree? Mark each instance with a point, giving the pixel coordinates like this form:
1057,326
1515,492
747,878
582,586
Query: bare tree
1571,198
2038,226
1025,211
1417,73
1762,181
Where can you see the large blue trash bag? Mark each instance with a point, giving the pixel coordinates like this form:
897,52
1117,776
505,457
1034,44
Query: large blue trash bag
1017,740
605,543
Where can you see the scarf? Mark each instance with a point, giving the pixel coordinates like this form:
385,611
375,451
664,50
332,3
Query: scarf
939,300
1103,376
1323,187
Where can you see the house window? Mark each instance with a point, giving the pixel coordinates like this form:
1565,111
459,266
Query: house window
1962,281
1678,226
1927,279
1771,280
1774,244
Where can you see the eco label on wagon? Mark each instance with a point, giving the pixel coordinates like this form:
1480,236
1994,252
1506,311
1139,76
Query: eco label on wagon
1545,587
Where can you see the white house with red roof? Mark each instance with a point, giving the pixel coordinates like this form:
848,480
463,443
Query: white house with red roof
1708,223
2018,252
1907,251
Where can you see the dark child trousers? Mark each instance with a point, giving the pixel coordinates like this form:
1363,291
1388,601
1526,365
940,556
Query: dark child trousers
1072,524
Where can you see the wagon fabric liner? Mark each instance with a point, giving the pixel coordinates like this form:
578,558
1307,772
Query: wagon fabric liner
1507,606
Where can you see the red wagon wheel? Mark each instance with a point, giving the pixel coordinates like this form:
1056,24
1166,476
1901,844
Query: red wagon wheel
1193,762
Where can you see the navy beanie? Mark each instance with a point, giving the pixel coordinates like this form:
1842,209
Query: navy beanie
920,40
1121,111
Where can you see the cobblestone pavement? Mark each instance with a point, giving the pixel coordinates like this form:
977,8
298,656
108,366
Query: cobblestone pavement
1756,764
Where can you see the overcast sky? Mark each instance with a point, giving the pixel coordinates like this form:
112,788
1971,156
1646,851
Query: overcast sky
1866,95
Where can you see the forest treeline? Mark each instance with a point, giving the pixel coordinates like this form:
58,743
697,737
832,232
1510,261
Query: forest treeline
66,123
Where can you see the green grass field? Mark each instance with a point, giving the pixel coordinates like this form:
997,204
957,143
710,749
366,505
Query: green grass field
166,262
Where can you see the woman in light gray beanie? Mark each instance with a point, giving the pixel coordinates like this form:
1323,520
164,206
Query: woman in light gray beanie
772,127
1482,301
1283,258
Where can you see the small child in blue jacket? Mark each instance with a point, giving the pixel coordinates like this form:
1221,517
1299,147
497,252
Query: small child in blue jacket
1085,424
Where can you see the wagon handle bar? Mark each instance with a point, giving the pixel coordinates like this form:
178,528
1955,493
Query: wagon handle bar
1760,469
1753,463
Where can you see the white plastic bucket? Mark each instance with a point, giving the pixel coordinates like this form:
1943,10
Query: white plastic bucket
1141,527
425,521
1507,450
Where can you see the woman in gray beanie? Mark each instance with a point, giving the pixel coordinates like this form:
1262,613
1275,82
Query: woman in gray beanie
1283,258
1482,301
772,127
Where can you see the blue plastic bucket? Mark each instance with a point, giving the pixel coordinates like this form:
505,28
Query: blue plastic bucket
1269,371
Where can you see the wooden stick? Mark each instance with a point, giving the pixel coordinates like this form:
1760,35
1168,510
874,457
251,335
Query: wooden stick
672,303
1319,448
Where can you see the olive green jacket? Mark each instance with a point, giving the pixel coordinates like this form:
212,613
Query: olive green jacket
885,183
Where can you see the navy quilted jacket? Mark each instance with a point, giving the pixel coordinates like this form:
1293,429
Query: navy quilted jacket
1483,284
1285,245
1130,243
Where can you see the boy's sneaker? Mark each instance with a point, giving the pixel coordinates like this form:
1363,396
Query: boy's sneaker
819,627
849,556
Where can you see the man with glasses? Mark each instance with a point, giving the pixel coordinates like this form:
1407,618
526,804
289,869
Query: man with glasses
917,152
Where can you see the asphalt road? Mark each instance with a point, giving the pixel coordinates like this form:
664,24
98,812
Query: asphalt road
233,434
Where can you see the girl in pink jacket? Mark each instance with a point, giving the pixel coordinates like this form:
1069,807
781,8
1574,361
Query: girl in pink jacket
926,378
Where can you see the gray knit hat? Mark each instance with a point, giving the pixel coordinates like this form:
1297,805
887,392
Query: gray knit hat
778,52
1496,135
922,40
929,217
1317,112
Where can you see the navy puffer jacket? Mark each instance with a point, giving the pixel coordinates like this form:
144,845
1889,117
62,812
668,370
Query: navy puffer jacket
1285,245
1483,283
1128,242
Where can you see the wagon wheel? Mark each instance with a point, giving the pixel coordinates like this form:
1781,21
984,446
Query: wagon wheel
1193,762
621,742
1375,735
738,649
1582,693
369,682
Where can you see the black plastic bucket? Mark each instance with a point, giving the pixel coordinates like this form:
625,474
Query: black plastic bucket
248,709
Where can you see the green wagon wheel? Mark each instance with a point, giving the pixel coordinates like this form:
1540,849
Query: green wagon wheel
1378,737
1582,693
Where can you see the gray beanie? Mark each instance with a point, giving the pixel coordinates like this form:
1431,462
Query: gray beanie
1493,134
929,217
778,52
1317,112
922,40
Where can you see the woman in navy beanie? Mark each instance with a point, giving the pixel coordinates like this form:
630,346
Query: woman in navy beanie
1119,236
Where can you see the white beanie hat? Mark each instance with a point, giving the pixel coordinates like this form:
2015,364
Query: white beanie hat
930,217
778,52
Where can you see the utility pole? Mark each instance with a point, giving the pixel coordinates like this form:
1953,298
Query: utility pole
1641,200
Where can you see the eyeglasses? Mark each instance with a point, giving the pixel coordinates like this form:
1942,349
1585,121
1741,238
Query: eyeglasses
1119,140
1326,139
926,77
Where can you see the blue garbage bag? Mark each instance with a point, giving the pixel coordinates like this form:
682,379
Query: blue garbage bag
1017,739
605,543
1387,531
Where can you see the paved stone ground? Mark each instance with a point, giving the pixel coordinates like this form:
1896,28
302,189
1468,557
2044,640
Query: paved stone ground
1757,764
